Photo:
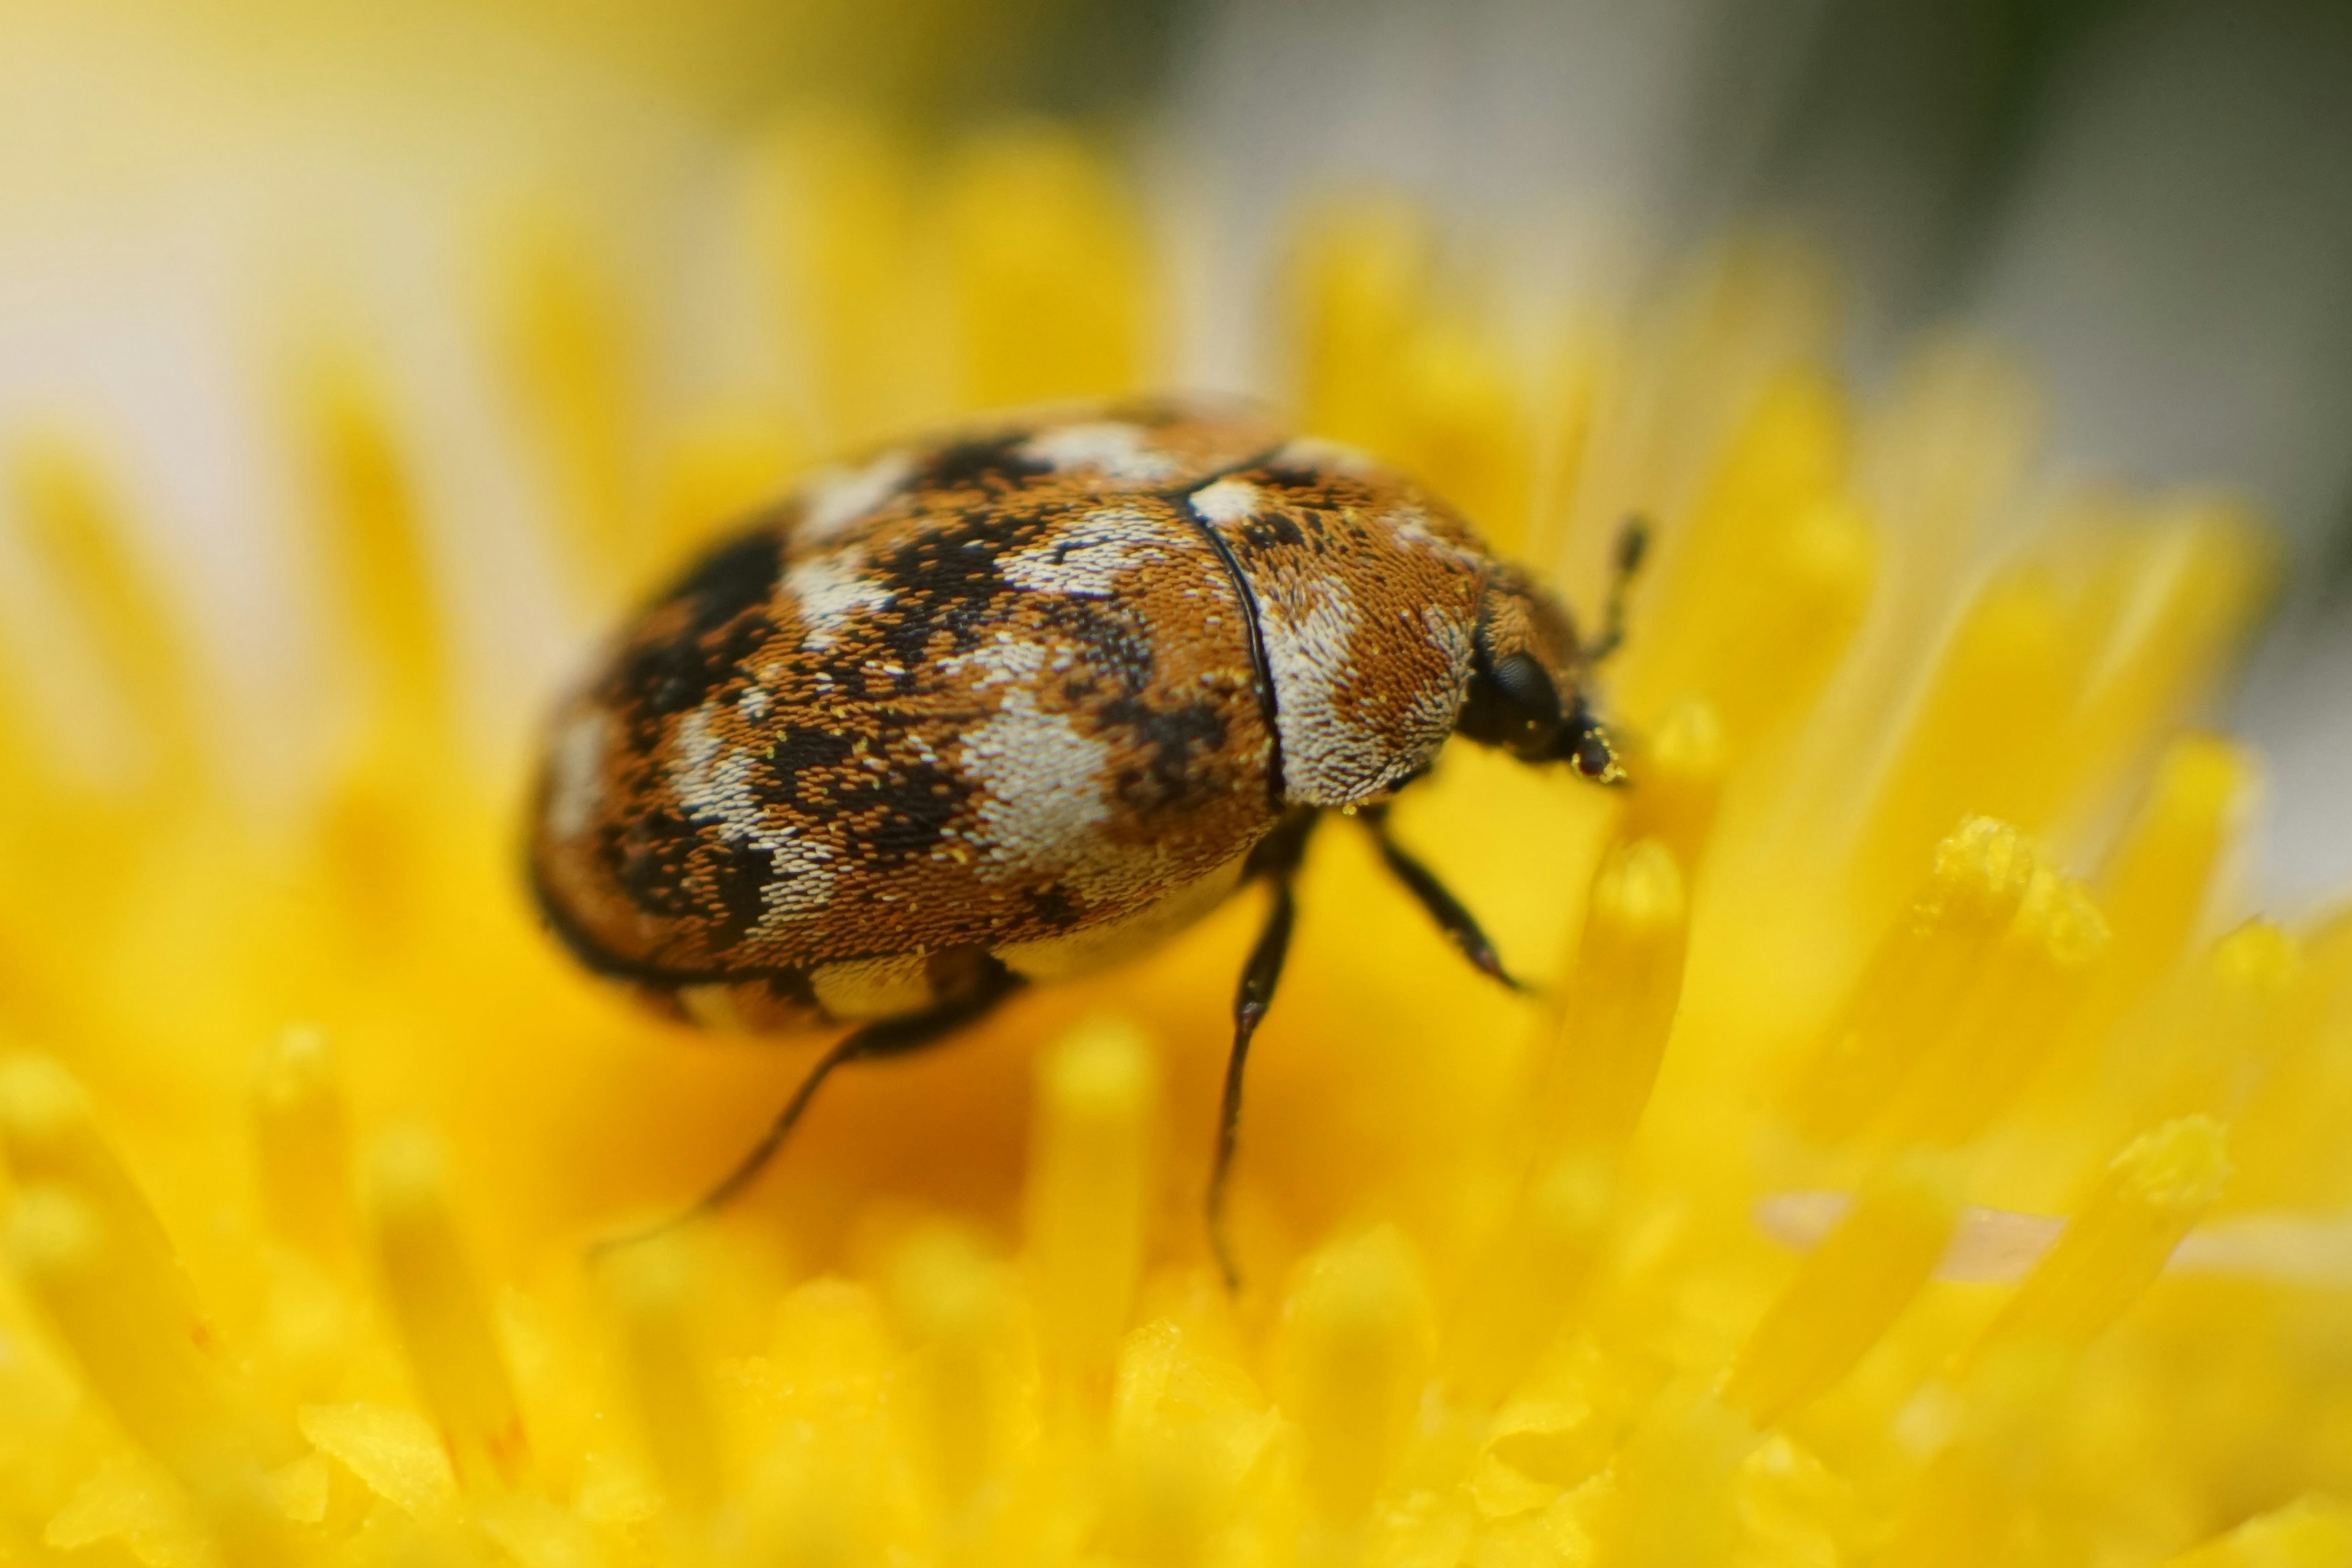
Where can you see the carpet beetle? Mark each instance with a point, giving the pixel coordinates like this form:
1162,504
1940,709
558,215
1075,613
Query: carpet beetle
1013,704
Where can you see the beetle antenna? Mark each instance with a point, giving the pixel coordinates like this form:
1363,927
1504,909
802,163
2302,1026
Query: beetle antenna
1633,545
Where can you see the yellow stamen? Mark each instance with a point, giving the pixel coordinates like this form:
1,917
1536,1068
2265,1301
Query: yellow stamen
131,1347
1910,991
443,1318
1355,1355
568,339
1090,1175
955,1308
834,217
380,578
654,1287
301,1145
1765,583
1849,1289
2157,879
1682,771
81,534
52,1138
2114,1249
1052,284
1622,998
2311,1532
1357,283
1966,1073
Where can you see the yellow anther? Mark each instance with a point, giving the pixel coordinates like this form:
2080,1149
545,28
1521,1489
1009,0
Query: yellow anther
2310,1532
51,1137
1089,1192
1053,285
132,1344
1909,994
1849,1290
2157,879
654,1290
1354,1360
1621,997
302,1145
81,534
954,1304
2034,981
2114,1249
442,1315
1681,783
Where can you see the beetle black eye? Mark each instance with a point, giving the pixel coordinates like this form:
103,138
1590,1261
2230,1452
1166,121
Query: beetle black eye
1522,683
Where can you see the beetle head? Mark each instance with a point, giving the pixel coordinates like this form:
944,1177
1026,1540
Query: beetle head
1528,681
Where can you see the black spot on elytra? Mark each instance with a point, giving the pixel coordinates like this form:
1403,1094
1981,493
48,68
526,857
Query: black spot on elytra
1174,740
911,809
1274,527
798,771
733,877
1052,907
947,585
736,576
684,669
647,857
974,465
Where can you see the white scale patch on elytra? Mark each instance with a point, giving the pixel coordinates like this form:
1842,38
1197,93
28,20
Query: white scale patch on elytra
1410,525
1315,453
837,497
1085,558
1227,501
1327,759
833,590
1042,780
1431,710
1110,447
576,773
711,780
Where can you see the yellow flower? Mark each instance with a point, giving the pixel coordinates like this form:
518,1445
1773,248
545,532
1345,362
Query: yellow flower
1894,1169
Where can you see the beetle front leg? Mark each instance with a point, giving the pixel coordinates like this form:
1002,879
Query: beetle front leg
1461,928
1276,859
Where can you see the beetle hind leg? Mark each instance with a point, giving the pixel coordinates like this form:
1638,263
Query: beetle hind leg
981,983
1275,859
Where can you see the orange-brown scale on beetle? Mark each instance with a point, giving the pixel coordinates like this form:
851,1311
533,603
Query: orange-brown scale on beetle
1013,704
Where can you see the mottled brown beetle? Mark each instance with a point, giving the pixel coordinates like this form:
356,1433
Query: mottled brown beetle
1018,704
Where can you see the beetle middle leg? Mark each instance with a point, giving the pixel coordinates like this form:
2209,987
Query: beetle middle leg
1461,928
972,983
1276,859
